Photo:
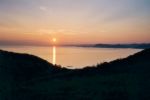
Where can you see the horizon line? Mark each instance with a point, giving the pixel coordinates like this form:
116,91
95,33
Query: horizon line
84,44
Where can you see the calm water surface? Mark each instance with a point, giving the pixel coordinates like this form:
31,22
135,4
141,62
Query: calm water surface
74,57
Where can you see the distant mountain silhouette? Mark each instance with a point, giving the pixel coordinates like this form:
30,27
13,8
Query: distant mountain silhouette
27,77
100,45
138,46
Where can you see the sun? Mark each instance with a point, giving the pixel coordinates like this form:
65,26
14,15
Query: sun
54,40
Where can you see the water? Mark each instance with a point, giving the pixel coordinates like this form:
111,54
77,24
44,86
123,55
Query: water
73,57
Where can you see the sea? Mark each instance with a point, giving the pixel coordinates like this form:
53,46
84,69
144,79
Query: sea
73,57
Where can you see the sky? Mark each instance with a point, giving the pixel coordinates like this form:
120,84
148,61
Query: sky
36,22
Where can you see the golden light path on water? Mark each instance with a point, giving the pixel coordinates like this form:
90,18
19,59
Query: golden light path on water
54,55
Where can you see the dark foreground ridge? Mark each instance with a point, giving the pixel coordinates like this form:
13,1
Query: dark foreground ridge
27,77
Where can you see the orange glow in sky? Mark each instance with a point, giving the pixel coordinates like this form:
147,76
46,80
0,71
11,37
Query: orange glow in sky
44,22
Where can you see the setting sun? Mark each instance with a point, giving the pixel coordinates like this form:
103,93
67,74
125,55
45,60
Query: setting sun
54,40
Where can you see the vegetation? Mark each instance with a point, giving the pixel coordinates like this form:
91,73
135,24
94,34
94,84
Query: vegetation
26,77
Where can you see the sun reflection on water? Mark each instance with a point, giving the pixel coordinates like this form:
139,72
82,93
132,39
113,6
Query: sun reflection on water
54,55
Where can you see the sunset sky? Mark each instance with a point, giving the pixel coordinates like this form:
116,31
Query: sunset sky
37,22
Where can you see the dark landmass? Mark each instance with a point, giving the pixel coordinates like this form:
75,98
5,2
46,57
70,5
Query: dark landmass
136,46
27,77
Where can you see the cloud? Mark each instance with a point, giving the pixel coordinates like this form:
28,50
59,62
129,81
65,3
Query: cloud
43,8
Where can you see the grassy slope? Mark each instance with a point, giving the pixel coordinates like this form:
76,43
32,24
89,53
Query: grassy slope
26,77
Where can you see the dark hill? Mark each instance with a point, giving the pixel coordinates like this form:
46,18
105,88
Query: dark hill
26,77
23,67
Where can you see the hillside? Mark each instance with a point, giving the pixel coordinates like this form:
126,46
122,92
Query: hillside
27,77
